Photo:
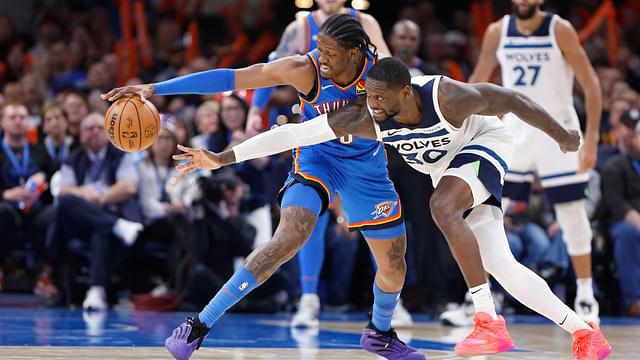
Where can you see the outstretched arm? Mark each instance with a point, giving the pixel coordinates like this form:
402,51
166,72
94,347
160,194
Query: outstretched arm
352,119
458,101
294,70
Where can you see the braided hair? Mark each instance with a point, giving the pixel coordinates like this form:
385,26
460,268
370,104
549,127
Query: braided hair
349,34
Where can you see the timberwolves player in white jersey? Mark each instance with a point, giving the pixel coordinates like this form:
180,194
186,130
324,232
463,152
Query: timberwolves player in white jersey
539,54
447,129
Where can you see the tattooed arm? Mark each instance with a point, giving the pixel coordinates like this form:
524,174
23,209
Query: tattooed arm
458,101
291,40
352,119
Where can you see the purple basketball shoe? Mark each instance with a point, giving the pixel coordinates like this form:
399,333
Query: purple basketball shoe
387,344
186,338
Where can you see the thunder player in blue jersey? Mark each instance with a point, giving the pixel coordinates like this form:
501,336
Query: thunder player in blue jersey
327,79
446,129
300,37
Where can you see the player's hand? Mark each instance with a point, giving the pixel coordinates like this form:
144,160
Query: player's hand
145,91
196,159
587,156
570,142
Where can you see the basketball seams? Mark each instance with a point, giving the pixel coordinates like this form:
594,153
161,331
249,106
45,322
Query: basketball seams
118,110
124,108
139,127
156,116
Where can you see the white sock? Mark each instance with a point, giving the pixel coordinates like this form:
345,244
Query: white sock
522,283
97,290
572,323
585,288
127,231
482,300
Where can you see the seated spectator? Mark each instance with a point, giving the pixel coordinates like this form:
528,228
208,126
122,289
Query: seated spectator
57,143
23,168
207,122
621,199
96,200
404,42
76,106
220,235
527,240
163,198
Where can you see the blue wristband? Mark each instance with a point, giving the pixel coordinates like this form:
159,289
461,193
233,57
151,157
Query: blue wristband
204,82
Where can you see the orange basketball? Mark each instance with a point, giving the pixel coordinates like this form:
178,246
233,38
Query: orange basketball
131,124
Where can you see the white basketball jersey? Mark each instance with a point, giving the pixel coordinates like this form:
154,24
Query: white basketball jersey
430,146
534,65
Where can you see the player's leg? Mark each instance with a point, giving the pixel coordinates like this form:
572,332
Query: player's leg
567,191
576,231
458,189
372,206
379,337
487,224
449,203
301,205
311,258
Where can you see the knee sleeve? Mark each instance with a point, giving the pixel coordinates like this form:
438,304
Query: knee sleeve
486,223
576,229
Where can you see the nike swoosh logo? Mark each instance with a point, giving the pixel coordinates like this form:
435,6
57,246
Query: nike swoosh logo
563,320
392,132
473,292
326,87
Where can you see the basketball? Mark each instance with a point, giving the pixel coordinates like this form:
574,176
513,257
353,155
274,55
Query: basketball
132,124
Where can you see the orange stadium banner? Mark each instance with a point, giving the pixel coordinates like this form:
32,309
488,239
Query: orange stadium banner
127,49
142,34
606,13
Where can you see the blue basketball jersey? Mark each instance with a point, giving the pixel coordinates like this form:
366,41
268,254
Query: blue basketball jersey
313,28
330,96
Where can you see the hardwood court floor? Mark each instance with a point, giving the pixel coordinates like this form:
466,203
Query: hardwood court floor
65,334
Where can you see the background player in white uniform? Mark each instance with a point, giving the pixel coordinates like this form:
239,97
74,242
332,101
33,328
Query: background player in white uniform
434,126
539,53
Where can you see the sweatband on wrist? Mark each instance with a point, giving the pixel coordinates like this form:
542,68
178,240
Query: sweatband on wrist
204,82
285,137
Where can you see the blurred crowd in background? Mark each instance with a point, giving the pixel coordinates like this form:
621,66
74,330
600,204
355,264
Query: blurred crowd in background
150,235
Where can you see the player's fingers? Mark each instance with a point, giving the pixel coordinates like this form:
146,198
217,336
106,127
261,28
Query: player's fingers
108,95
185,149
184,166
117,94
185,156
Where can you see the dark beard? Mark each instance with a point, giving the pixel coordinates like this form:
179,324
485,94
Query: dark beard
526,16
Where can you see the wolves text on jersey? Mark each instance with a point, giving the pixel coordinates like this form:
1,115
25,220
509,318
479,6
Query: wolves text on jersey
537,57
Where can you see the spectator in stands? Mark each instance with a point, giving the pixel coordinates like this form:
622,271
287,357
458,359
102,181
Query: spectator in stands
404,42
164,198
21,165
57,143
77,108
96,200
208,123
621,198
64,74
220,236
